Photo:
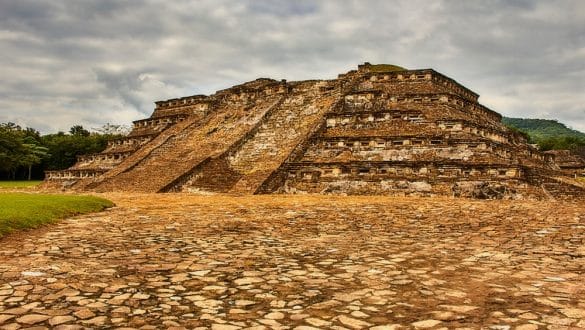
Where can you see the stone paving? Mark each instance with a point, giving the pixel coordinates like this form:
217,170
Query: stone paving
297,262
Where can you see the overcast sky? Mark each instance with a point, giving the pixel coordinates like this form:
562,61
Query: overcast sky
106,61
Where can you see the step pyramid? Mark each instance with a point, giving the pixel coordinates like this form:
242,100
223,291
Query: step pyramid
378,130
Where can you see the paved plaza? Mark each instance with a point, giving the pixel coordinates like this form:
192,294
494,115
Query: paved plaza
177,261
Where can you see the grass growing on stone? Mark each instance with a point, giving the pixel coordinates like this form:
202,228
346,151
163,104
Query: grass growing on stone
18,184
21,210
386,68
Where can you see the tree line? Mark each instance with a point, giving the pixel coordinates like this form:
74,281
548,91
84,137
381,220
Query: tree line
26,154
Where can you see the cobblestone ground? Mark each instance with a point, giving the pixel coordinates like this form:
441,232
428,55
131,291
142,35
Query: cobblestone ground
289,262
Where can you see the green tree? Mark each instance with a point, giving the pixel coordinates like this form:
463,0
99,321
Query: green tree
78,130
25,151
64,148
548,134
33,154
11,148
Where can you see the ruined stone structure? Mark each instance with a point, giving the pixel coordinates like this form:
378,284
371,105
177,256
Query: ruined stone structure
380,129
572,164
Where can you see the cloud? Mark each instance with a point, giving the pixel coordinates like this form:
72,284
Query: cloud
65,63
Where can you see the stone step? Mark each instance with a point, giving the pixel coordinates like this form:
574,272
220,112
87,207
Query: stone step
186,148
264,152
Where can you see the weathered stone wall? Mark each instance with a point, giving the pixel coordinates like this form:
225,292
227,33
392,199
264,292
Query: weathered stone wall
570,163
400,177
196,104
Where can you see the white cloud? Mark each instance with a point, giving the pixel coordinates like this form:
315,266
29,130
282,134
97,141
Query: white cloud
66,63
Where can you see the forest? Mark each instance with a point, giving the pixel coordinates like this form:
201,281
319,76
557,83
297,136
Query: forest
25,154
548,134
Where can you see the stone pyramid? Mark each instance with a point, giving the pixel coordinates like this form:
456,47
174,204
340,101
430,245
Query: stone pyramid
378,130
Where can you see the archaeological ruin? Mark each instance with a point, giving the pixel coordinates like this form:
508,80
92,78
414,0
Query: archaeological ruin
378,130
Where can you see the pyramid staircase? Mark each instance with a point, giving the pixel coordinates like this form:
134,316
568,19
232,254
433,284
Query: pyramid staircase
106,181
265,152
281,138
183,147
215,174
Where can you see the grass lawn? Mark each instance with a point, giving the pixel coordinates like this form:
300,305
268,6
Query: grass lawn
19,184
21,210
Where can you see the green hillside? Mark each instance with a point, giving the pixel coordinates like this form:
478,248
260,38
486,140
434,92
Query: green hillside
548,134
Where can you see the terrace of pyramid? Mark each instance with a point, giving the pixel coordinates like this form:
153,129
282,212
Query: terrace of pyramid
378,130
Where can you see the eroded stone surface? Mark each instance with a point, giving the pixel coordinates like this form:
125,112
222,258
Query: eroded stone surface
292,262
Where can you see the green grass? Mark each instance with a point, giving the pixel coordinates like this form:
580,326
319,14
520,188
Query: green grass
19,184
21,210
386,68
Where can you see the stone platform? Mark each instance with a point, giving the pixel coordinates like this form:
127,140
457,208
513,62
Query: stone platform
300,262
